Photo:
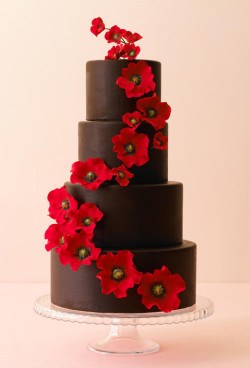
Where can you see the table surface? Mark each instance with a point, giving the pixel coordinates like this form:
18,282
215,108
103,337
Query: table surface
28,340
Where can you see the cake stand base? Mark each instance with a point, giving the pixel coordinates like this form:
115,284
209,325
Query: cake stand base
123,337
123,340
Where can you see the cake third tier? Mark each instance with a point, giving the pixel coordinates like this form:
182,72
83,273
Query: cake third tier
138,216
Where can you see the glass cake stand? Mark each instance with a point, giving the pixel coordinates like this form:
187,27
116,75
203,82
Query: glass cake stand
123,337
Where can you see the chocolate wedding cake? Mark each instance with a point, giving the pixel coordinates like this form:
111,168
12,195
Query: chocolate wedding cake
142,220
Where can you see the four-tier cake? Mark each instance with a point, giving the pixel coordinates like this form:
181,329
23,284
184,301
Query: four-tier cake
117,244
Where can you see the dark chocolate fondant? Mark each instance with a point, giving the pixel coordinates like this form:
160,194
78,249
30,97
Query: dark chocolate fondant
81,290
94,140
105,100
138,216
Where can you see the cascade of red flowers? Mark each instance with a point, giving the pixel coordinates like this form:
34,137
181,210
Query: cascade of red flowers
125,40
72,235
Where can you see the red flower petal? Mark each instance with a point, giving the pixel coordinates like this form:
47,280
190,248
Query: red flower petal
132,37
132,119
154,111
131,51
91,173
122,175
118,273
106,261
160,141
115,52
79,251
61,202
97,26
85,217
55,234
137,79
132,148
161,289
115,34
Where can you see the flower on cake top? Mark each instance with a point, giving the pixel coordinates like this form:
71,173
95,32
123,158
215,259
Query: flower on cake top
161,289
131,147
130,51
118,273
115,34
160,141
132,37
97,26
132,119
125,39
115,52
86,217
137,79
91,173
122,175
154,111
61,202
55,234
79,250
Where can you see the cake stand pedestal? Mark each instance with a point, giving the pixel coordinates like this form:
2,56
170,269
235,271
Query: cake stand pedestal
123,337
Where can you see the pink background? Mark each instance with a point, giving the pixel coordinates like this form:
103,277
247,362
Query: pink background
204,50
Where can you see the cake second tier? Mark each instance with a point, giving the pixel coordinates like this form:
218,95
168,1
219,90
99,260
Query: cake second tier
137,216
95,140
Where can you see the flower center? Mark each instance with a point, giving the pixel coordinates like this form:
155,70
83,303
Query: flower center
158,290
160,142
136,79
118,274
91,176
131,53
133,121
83,253
121,174
99,27
61,241
130,148
87,221
151,113
65,204
116,37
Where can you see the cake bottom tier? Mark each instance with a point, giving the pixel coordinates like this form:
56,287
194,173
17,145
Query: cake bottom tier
81,290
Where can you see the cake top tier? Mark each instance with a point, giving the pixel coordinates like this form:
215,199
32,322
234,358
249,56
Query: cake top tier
105,99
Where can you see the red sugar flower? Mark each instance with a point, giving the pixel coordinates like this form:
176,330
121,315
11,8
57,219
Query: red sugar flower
79,250
161,289
132,119
154,111
122,175
56,235
115,52
91,173
97,26
132,148
160,141
137,79
131,51
132,37
60,204
115,34
86,217
119,273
